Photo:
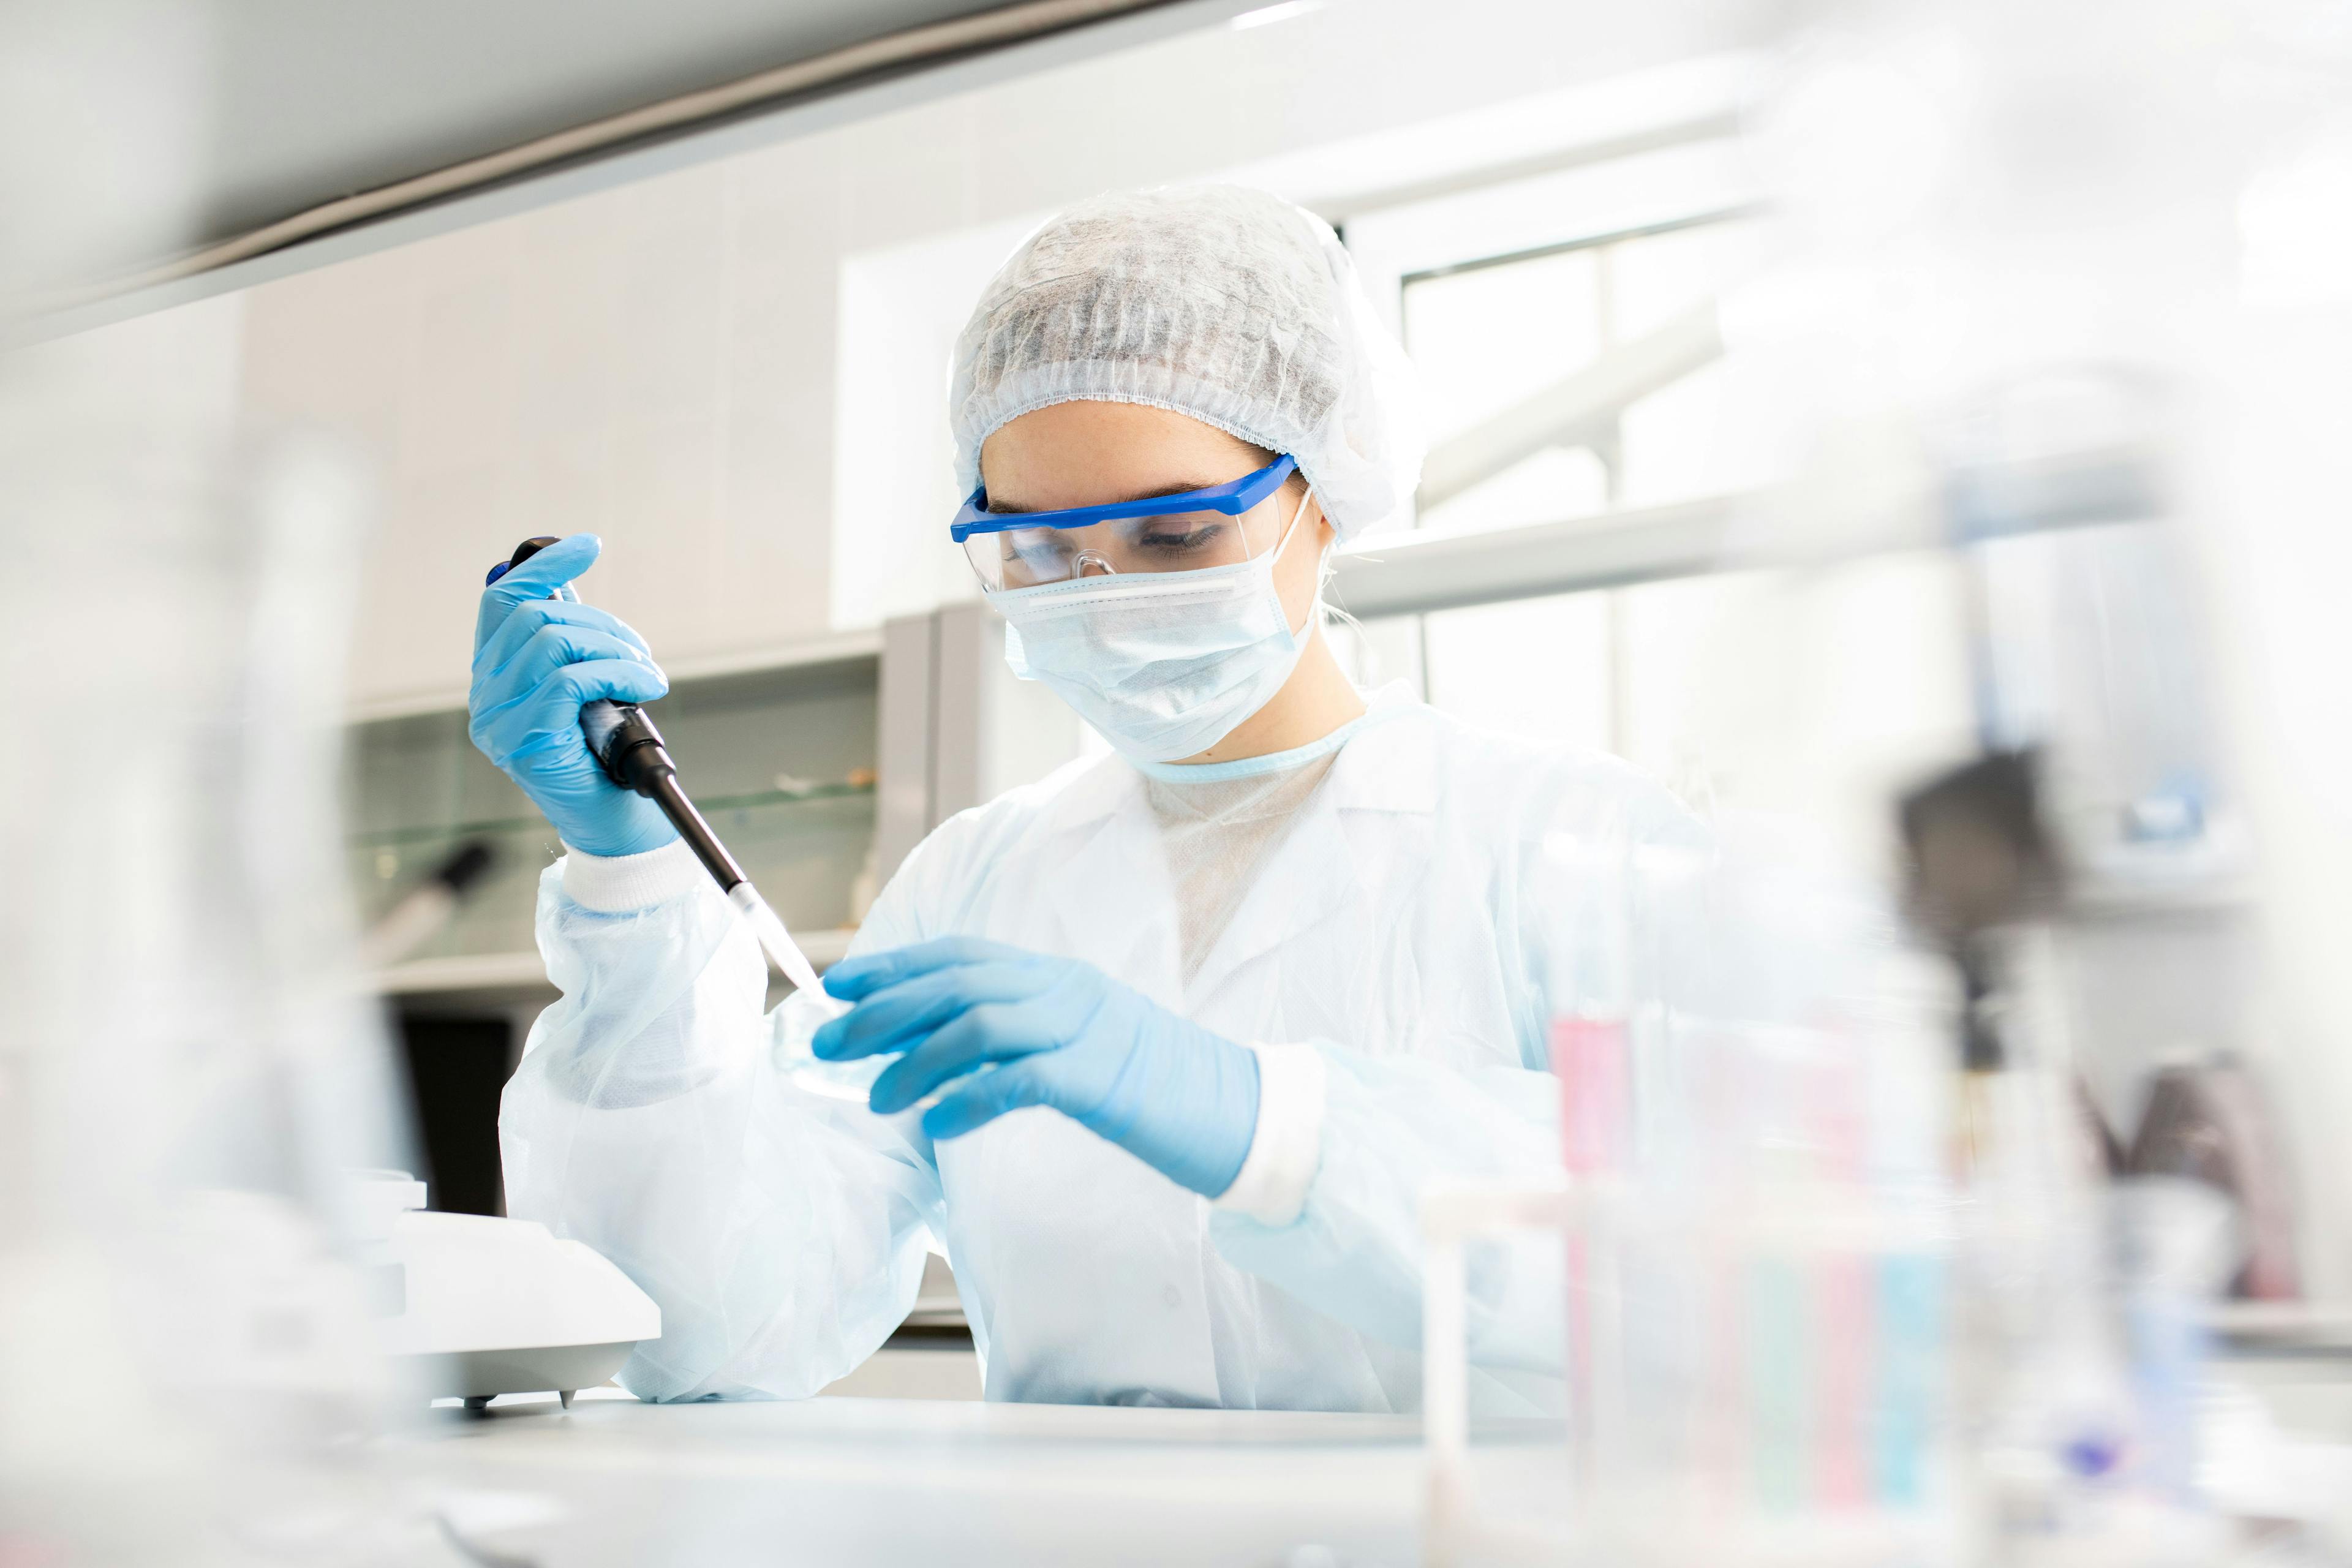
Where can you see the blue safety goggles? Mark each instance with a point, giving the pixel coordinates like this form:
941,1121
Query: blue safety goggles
1232,498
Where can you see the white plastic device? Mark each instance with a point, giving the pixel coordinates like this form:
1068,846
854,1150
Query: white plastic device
477,1306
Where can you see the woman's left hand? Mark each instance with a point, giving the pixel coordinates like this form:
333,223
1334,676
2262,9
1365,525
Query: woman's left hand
1047,1031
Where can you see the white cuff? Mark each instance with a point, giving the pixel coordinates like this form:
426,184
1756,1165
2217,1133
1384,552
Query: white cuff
1288,1143
616,884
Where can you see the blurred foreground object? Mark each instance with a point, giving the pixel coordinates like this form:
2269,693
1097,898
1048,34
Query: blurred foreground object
1760,1343
1759,1336
425,908
2008,314
189,1063
187,1059
2210,1123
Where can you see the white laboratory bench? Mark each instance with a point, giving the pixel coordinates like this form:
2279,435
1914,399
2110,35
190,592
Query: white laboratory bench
884,1482
909,1481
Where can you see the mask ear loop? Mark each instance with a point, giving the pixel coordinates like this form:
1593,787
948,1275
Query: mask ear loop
1325,570
1316,608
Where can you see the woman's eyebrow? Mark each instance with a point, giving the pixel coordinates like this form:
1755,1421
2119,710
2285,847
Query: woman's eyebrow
1014,509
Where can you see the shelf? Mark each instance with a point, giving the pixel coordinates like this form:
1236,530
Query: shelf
840,647
2117,898
2283,1329
391,837
525,973
465,972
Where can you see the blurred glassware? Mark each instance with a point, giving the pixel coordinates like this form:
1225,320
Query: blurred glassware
1759,1340
189,1064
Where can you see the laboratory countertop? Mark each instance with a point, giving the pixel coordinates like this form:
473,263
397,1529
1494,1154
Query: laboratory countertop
892,1482
897,1481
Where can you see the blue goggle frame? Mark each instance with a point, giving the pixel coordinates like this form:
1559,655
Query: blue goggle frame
1232,498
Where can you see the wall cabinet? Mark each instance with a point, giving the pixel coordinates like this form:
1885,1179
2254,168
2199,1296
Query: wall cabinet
819,770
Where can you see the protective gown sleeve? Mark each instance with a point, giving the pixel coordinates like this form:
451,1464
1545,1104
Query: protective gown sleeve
1343,1233
782,1232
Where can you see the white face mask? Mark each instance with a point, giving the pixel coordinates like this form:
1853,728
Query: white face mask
1165,664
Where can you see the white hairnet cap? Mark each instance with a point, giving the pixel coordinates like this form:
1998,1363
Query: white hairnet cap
1227,304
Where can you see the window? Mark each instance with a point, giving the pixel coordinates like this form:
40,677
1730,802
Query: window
1577,378
1569,351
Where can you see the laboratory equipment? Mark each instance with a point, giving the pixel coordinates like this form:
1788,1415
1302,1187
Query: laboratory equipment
188,1058
1753,1230
473,1306
630,749
2210,1121
426,908
539,656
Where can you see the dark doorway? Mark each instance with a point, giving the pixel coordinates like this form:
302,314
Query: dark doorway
455,1069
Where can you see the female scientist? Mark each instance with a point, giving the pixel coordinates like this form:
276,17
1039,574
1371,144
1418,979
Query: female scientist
1197,1023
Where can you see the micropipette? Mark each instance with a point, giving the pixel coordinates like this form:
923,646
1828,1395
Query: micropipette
631,751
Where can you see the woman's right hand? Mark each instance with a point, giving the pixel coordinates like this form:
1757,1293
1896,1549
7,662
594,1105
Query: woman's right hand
537,660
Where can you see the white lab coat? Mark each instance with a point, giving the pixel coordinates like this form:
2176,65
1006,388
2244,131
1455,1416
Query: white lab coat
1438,898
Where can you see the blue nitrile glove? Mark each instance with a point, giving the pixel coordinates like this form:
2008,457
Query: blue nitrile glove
536,661
1059,1032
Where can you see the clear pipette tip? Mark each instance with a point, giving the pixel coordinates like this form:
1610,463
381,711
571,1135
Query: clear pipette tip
774,939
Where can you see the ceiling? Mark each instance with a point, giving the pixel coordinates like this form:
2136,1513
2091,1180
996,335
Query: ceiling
158,144
311,101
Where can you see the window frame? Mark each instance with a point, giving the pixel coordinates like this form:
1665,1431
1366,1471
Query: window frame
1419,573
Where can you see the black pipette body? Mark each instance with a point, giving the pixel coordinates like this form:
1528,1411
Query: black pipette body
630,749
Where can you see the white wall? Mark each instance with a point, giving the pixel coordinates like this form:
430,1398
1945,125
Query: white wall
658,362
901,308
638,364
